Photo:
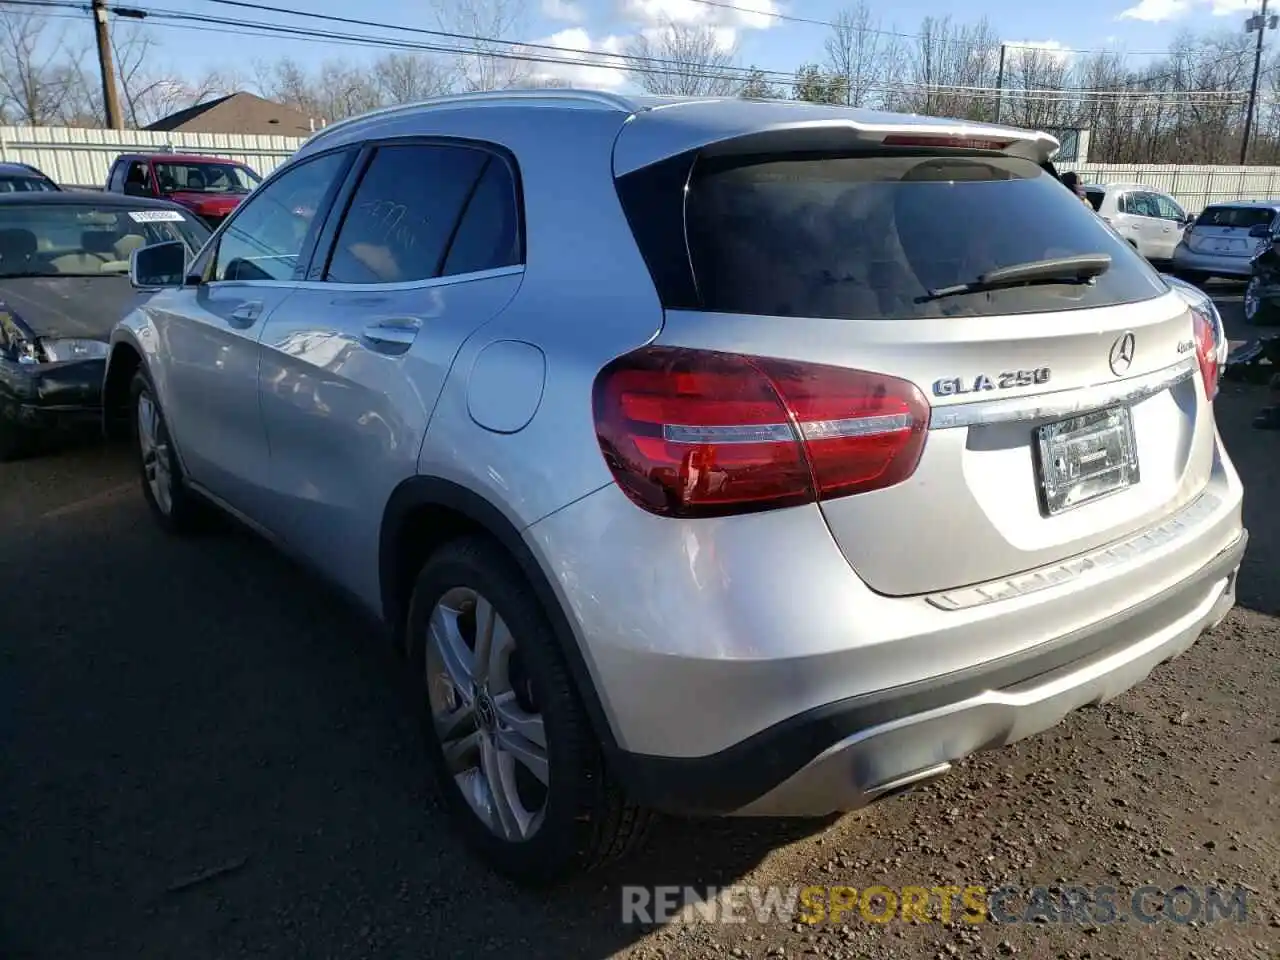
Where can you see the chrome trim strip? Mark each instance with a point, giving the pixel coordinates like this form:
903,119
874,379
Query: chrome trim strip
1063,403
1098,562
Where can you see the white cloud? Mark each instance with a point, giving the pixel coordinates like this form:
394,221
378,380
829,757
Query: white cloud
589,58
743,15
1156,11
1227,8
725,38
1053,48
566,10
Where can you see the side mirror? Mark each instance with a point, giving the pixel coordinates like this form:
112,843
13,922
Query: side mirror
1260,232
134,189
159,265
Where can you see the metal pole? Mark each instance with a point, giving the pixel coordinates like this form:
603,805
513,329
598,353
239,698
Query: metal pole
110,99
1261,22
1000,85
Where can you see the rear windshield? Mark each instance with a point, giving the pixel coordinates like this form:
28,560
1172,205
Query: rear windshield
1095,196
1246,217
868,237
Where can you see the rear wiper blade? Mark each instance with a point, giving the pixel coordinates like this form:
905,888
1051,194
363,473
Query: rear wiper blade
1082,268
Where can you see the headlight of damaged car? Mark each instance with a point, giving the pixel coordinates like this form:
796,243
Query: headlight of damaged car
68,350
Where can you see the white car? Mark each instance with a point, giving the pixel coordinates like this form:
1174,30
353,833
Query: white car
1151,221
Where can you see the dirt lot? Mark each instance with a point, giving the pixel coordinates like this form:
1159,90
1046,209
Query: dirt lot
203,756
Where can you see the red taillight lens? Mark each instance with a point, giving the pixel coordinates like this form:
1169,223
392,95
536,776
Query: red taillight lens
695,433
1207,349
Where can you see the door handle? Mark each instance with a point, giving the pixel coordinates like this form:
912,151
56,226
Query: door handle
392,333
246,314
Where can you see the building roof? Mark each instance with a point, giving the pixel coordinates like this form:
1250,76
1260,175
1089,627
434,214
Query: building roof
242,113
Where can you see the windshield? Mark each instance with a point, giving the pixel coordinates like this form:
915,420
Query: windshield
1246,217
200,177
74,240
864,237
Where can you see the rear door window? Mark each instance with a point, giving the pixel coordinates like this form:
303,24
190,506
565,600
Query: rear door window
403,215
1095,197
868,237
1246,217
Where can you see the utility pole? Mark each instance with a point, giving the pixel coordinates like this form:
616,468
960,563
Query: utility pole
110,99
1000,85
1261,23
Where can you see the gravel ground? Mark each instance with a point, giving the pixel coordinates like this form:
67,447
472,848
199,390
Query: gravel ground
205,758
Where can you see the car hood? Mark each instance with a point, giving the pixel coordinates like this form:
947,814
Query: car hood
56,307
212,203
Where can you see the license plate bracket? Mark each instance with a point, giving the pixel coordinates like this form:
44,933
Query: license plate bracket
1084,458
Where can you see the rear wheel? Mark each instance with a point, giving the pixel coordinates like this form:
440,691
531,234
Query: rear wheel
507,737
163,485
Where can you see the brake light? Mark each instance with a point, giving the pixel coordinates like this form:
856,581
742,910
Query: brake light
955,143
1208,349
696,433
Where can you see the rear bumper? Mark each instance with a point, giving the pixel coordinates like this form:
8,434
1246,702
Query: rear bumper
1214,265
915,735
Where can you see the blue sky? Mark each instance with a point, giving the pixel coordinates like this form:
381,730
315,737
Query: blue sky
1137,27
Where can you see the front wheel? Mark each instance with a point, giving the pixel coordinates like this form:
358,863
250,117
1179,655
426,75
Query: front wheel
506,734
163,486
1258,310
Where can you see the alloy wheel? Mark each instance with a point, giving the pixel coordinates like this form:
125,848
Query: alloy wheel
485,715
153,446
1252,296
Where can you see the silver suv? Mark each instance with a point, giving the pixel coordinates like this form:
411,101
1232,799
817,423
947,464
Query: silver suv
704,456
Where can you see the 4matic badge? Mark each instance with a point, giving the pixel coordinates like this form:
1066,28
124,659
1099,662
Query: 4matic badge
957,386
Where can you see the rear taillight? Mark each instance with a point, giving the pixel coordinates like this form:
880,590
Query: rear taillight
1207,349
695,433
1210,334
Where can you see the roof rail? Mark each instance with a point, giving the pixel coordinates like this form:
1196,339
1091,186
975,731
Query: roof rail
550,96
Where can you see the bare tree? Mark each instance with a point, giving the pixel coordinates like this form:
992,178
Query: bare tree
37,80
684,60
484,62
860,52
409,77
758,87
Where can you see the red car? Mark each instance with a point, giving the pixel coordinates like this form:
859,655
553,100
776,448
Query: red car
210,187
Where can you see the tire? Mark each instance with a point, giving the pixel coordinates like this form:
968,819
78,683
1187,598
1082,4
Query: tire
583,820
1258,310
164,488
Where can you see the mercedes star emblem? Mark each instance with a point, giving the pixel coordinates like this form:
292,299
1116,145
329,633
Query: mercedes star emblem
1122,353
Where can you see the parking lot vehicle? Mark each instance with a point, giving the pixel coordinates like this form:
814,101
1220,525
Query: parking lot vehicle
210,187
24,178
1223,240
1151,221
1262,293
709,456
64,260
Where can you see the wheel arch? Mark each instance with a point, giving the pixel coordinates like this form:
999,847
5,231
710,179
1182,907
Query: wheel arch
124,360
424,513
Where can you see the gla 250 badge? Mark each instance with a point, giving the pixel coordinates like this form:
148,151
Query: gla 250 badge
958,386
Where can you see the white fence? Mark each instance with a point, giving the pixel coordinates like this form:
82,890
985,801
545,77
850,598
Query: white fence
78,157
1193,187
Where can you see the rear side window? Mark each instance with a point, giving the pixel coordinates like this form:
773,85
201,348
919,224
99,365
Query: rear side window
1095,197
1246,217
407,215
868,237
